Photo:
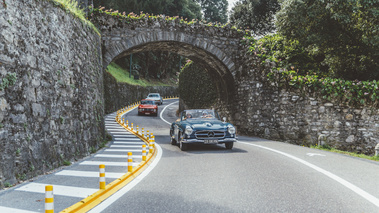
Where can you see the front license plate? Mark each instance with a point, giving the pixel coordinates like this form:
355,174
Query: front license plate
147,113
214,141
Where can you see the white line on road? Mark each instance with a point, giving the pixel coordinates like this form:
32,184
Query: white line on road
116,156
130,147
12,210
76,173
107,163
345,183
160,115
103,205
126,146
59,190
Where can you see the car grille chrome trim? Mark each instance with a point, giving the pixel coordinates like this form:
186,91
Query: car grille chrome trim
148,110
207,134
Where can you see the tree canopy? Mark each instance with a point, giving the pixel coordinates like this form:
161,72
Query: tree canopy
344,31
189,9
215,10
256,15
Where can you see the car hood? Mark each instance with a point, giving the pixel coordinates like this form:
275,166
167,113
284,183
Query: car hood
147,106
207,124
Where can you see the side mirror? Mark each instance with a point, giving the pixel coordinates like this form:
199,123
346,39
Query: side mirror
224,119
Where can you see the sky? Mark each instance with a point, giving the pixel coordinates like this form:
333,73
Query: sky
231,4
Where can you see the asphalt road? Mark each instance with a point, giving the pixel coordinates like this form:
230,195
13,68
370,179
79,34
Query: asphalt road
257,175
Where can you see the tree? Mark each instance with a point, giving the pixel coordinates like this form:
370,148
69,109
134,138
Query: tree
184,8
345,31
256,15
215,10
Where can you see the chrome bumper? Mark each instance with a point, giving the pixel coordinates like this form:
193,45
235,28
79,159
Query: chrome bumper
225,140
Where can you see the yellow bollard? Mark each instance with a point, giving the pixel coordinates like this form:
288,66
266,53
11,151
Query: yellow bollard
49,199
131,127
147,135
151,148
153,140
127,124
137,130
130,162
143,152
102,176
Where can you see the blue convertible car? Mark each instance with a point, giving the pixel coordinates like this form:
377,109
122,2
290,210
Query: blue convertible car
202,126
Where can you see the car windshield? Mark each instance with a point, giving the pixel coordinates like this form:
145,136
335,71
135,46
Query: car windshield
147,102
153,95
200,114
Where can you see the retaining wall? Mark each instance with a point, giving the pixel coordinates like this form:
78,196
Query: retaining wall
51,101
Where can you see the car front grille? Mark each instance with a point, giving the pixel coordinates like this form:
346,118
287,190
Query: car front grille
148,110
210,134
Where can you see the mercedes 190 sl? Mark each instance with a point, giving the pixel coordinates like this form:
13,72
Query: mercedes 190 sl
202,126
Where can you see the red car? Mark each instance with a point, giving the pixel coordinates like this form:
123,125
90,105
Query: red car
148,107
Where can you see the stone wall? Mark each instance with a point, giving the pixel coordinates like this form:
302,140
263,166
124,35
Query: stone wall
51,96
118,95
299,117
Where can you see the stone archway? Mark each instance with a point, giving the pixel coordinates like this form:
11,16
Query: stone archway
216,49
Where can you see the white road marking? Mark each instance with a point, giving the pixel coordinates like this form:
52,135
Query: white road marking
131,137
107,163
117,156
160,115
315,154
126,146
345,183
76,173
129,143
103,205
59,190
123,150
12,210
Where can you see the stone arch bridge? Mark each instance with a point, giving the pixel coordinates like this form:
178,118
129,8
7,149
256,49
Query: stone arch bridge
215,48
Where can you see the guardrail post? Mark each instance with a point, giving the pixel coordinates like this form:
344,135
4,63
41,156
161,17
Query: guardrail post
151,148
130,162
152,139
49,199
102,176
143,152
147,136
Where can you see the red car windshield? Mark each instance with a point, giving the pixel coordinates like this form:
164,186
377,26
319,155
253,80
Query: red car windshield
147,102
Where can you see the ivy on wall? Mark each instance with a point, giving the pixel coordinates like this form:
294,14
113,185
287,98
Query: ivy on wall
196,87
273,54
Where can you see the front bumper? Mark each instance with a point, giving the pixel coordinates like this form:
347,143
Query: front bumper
194,140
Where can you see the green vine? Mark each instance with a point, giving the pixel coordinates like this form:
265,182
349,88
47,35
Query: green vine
9,80
284,75
145,16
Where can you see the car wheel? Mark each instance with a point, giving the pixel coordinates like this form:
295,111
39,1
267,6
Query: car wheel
229,145
173,141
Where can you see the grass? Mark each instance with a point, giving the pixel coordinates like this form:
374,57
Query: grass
72,6
122,76
330,149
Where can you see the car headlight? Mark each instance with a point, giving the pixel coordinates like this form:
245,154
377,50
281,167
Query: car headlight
231,129
188,130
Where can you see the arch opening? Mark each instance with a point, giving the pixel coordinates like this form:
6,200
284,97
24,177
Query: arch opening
219,72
